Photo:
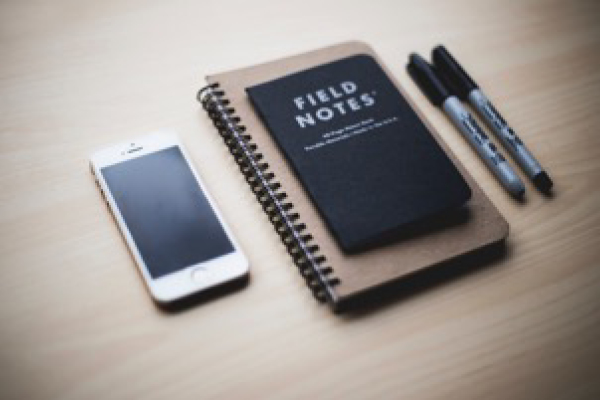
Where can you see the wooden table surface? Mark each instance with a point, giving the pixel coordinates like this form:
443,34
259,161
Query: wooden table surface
76,321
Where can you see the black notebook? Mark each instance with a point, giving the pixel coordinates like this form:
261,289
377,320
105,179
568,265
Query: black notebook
368,163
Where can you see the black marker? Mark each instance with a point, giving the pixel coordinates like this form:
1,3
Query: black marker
427,79
462,84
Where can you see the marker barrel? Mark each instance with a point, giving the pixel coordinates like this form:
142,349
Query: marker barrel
505,134
480,142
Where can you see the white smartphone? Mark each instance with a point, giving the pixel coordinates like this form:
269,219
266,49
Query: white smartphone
174,231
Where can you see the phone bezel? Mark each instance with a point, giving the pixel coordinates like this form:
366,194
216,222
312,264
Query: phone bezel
191,279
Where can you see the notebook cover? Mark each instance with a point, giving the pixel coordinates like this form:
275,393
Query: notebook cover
363,272
364,157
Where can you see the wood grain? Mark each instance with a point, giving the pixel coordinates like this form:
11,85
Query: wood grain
76,321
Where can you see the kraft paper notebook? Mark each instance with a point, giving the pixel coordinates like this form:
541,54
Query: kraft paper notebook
290,124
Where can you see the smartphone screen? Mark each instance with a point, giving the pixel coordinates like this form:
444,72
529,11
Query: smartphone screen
166,212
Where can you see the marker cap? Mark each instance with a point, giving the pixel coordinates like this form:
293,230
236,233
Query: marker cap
452,73
427,79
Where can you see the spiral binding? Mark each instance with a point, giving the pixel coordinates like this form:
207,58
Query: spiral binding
306,255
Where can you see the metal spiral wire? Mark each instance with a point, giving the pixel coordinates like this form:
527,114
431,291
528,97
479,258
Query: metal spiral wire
292,232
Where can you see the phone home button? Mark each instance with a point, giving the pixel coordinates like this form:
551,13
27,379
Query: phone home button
199,274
